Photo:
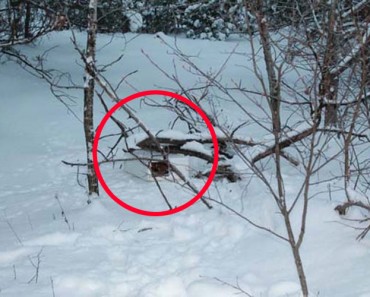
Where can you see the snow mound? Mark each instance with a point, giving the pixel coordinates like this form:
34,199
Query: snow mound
11,256
136,20
79,286
53,239
209,288
285,289
168,287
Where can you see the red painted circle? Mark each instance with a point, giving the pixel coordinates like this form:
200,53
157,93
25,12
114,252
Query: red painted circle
127,100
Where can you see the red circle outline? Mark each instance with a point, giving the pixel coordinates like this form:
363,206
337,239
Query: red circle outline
127,100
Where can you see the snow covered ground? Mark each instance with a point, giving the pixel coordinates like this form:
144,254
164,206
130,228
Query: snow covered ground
103,250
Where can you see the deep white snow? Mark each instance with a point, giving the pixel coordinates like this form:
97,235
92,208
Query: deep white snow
103,250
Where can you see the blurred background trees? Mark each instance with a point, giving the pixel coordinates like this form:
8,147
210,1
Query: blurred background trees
216,19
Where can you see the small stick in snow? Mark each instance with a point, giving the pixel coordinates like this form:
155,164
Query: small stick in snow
36,266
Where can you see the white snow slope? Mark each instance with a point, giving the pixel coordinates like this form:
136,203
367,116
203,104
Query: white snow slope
103,250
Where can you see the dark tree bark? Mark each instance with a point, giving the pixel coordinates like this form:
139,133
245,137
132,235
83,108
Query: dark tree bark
15,9
27,21
329,82
93,186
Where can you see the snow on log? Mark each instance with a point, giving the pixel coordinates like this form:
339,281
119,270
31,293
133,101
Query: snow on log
354,54
285,142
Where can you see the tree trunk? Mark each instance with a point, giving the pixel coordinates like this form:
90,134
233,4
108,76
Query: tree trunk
274,100
27,21
93,186
329,82
295,251
300,271
274,84
14,20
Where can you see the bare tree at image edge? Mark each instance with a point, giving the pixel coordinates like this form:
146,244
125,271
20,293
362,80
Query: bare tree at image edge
274,99
89,89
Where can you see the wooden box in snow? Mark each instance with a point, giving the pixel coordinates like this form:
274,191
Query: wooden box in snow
145,165
184,152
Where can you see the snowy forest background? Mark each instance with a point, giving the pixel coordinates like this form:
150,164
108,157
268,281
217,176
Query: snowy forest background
285,85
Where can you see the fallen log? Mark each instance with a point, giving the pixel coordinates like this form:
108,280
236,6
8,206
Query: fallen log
283,144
